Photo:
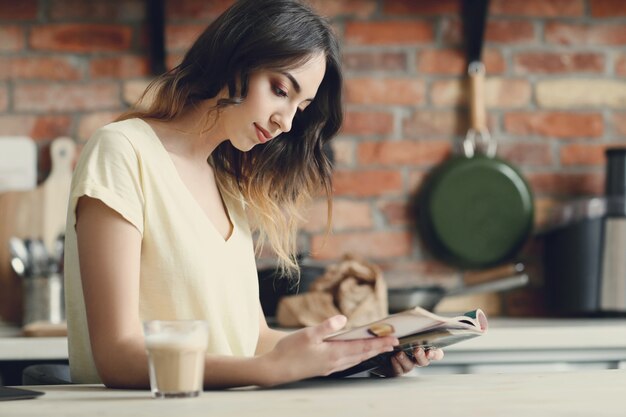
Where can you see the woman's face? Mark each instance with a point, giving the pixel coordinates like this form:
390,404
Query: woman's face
273,99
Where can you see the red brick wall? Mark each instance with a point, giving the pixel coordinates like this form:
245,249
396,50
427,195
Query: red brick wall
556,95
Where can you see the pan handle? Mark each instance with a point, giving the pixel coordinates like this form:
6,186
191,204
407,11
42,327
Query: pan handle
497,285
486,275
476,72
478,134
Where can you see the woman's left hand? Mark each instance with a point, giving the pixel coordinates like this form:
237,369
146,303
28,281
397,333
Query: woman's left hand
401,363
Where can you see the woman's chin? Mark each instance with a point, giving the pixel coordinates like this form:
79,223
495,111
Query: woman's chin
245,146
248,147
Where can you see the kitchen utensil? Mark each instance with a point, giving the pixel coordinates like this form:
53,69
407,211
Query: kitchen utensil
42,286
56,259
43,299
18,266
38,214
45,329
18,250
477,277
475,210
56,191
39,257
428,297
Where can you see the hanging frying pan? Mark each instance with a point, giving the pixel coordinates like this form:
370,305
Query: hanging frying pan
475,210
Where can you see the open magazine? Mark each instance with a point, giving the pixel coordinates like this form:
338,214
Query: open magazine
414,328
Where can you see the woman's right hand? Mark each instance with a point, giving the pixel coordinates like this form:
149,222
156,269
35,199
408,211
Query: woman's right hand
305,354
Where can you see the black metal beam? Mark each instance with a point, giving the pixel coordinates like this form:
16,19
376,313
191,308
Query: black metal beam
155,14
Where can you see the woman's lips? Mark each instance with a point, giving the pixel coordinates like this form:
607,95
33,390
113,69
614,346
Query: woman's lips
262,134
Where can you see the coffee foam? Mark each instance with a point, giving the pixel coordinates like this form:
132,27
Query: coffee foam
174,340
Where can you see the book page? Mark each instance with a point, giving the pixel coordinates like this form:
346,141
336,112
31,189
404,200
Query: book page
438,337
413,328
412,322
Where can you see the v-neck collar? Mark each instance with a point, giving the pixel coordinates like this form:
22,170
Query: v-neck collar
225,201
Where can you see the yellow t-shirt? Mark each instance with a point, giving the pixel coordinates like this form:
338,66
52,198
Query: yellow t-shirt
188,270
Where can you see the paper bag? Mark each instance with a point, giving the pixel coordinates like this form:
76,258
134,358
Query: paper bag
353,287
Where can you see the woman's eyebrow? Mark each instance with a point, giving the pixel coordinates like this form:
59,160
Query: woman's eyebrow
296,84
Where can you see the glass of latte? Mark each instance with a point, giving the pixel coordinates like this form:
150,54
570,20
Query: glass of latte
176,352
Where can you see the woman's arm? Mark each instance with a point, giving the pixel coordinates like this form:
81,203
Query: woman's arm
109,251
268,338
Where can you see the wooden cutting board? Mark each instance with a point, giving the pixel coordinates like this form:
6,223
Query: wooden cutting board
39,213
45,329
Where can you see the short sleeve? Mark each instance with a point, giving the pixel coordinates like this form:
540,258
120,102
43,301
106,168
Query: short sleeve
109,170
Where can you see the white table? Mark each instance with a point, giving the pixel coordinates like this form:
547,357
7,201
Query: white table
597,394
508,341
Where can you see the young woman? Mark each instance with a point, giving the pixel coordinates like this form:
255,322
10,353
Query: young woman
157,223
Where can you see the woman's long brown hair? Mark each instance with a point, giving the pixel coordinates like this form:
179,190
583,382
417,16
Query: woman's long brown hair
274,180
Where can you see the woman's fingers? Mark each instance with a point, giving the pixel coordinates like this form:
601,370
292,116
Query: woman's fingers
396,366
423,357
436,354
403,362
344,354
420,357
406,363
357,351
328,327
307,353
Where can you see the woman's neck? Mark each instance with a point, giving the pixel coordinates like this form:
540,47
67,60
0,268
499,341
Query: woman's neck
194,134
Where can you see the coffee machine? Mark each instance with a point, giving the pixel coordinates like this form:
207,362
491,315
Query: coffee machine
612,276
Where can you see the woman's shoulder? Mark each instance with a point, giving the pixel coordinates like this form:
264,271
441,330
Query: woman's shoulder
132,135
115,139
133,129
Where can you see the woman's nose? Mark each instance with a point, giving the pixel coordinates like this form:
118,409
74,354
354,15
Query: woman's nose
284,119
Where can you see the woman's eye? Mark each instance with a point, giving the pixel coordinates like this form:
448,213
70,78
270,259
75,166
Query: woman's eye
279,91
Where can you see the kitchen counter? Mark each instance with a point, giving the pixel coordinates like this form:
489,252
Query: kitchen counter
17,352
507,340
557,344
597,393
15,347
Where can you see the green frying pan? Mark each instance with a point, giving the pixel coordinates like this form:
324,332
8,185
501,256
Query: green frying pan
475,210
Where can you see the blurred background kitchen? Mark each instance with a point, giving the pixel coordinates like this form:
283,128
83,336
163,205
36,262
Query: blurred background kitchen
555,96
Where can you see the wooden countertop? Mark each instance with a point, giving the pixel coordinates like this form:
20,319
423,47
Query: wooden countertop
598,393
